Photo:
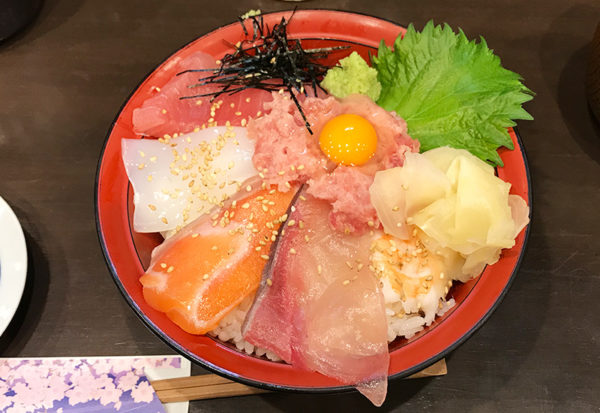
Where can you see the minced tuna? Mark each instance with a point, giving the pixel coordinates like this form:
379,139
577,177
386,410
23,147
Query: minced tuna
285,152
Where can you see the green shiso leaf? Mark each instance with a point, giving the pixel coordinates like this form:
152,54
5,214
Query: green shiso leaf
451,91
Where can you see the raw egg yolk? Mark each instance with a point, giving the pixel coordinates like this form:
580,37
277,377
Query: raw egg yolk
348,139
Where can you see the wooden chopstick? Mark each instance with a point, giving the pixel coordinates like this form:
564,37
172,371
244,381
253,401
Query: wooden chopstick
211,386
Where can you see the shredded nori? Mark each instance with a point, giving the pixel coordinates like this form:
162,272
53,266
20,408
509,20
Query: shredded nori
267,60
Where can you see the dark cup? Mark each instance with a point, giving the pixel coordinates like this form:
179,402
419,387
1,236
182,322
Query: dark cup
593,75
15,15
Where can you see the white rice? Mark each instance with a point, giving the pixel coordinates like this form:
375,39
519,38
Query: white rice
405,325
406,317
230,330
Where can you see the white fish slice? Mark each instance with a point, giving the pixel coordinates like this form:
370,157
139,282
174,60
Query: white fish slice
177,181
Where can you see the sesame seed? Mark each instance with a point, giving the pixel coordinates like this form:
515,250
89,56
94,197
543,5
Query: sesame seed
370,223
269,282
293,208
319,269
346,282
300,167
291,223
396,208
301,224
163,265
152,207
262,176
272,191
244,121
246,205
214,248
163,111
273,238
164,220
170,269
205,276
359,266
287,184
195,235
441,276
281,173
302,197
349,264
247,100
264,257
265,208
238,113
258,248
306,238
141,166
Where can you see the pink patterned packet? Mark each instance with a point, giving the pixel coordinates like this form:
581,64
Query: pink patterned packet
91,384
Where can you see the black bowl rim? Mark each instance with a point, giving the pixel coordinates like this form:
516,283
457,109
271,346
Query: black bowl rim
270,386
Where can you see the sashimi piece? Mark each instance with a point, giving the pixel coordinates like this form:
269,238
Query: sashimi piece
165,113
176,180
204,271
319,306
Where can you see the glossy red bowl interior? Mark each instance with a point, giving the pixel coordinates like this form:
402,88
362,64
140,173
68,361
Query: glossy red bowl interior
127,253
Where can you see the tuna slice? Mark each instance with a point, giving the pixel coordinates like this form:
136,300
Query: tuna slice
165,113
319,307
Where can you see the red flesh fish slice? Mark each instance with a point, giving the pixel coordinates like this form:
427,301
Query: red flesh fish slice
319,307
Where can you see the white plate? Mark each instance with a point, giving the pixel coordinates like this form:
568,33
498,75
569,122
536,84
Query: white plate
13,264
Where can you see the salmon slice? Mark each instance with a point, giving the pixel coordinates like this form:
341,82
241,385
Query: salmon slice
203,272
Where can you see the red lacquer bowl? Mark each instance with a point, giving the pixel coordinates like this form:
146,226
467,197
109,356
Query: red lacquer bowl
127,253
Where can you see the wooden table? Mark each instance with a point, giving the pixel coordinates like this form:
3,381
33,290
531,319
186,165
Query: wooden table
63,80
